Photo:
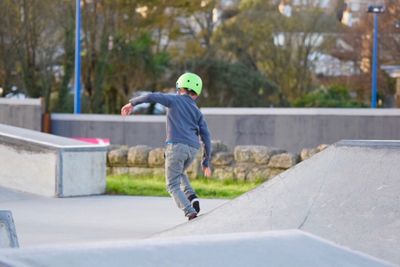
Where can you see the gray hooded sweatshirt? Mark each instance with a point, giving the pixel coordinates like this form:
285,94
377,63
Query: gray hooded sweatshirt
185,122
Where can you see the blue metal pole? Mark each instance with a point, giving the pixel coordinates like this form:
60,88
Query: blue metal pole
375,64
77,82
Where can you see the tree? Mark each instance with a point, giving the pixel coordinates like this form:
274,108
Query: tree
119,54
8,42
359,38
228,84
64,102
29,46
249,55
279,46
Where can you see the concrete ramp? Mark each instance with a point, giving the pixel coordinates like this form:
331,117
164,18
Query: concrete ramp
50,165
349,194
285,249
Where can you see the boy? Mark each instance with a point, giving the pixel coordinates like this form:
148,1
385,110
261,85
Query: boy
185,123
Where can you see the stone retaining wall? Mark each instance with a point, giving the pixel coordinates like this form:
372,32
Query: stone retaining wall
248,163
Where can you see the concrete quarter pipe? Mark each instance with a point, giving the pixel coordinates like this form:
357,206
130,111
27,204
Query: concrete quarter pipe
349,194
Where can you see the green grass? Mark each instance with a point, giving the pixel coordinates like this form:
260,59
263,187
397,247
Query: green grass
155,186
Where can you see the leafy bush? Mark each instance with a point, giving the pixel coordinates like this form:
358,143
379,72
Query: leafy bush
334,96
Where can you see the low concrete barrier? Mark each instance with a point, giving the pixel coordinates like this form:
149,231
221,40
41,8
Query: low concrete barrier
291,129
50,165
132,130
8,234
295,128
25,113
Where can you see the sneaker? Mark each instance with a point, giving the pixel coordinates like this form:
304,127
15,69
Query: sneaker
195,202
192,216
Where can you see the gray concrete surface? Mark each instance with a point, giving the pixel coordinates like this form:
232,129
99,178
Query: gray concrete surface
47,221
8,234
25,113
296,128
289,128
349,194
285,249
50,165
133,130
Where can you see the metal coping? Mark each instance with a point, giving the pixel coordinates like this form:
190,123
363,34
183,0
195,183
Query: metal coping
302,111
106,117
25,136
235,111
71,148
25,101
390,144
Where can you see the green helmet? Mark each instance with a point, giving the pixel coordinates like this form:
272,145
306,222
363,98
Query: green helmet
190,81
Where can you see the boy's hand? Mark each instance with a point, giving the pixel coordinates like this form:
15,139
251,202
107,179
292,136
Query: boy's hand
207,172
126,110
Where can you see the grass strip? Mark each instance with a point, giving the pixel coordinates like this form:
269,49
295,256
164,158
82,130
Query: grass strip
155,186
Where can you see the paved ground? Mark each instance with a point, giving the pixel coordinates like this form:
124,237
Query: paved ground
44,221
280,248
348,194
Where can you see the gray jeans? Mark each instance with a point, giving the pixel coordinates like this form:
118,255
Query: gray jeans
178,158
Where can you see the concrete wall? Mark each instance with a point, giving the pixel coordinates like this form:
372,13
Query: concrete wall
134,130
25,113
50,165
293,129
290,129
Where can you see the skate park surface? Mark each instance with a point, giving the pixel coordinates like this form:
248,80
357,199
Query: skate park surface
285,248
46,221
347,194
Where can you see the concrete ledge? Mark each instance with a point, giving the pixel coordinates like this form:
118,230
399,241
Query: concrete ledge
302,111
289,128
8,234
50,165
107,118
388,144
132,130
280,248
26,113
26,101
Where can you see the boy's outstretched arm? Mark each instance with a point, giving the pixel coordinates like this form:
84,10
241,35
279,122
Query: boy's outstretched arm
163,99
